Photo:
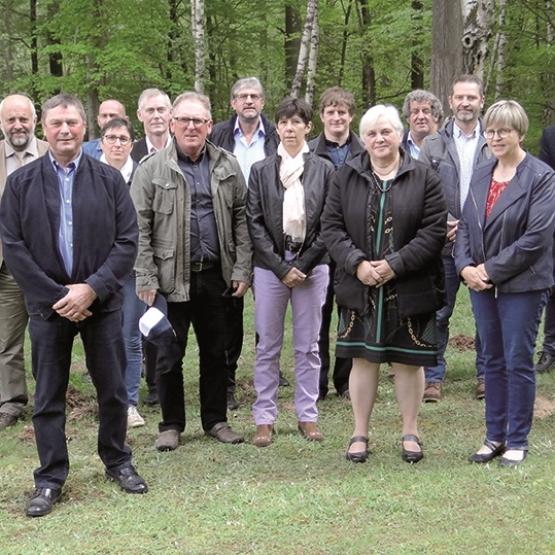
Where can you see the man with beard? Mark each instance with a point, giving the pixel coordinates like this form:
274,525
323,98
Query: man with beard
19,147
251,137
455,151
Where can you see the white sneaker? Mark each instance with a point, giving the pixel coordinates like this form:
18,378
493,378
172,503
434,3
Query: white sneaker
134,419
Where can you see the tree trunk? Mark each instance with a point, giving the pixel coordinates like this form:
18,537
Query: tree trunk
416,64
501,46
55,62
312,61
292,42
368,72
311,8
446,47
197,25
550,30
477,17
347,13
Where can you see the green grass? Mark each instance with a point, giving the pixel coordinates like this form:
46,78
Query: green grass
293,497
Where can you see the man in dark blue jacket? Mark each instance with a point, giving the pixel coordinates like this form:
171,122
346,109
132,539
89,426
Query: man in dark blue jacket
70,238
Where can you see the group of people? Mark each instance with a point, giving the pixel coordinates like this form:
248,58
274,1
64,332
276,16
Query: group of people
187,219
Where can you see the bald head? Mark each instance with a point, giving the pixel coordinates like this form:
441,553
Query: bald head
17,120
108,110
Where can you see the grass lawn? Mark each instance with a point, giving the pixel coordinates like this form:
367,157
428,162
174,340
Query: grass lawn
293,498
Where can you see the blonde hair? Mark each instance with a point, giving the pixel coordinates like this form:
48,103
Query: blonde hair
509,113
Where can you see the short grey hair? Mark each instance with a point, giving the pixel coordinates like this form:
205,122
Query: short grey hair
420,95
149,93
31,105
381,111
247,82
509,113
195,97
65,100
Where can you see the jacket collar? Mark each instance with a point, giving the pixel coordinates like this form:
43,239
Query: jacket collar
361,163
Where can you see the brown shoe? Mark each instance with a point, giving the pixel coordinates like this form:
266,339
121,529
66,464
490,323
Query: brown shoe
168,440
432,393
310,431
480,391
263,435
222,432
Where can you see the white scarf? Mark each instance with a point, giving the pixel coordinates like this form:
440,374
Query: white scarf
290,171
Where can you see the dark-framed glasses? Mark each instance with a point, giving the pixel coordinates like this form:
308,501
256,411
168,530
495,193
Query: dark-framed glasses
111,139
186,121
501,133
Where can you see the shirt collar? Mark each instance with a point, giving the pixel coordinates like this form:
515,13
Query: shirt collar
150,148
329,142
259,131
75,161
460,134
31,149
126,170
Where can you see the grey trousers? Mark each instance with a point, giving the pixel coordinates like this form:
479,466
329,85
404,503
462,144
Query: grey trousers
13,320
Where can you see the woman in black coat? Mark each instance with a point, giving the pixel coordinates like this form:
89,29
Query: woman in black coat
384,225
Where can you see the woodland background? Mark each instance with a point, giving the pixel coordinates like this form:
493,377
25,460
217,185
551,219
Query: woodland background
378,49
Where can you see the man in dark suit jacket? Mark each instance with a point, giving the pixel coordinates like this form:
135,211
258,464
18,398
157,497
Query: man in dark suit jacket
337,143
546,361
69,233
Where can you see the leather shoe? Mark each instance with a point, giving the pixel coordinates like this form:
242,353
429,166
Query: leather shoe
263,435
546,362
152,397
504,461
495,451
357,456
222,432
232,403
42,501
411,456
310,431
480,390
127,478
283,381
168,440
7,420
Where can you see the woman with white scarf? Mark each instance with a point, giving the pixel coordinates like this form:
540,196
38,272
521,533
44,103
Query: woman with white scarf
286,197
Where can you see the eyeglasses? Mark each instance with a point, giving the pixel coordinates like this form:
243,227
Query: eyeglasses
243,97
501,133
111,139
186,121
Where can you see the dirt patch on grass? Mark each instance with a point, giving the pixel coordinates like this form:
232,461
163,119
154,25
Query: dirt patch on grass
80,405
543,407
462,343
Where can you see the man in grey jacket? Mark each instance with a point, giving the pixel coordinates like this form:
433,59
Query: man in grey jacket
455,151
194,248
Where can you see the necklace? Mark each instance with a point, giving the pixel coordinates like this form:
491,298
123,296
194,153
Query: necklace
382,185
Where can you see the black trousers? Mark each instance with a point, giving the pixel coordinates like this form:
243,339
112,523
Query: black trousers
234,339
207,312
342,366
52,343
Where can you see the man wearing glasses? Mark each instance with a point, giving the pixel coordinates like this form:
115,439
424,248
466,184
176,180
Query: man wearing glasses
455,151
251,137
194,248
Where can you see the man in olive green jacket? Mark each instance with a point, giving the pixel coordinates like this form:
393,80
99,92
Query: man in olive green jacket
194,248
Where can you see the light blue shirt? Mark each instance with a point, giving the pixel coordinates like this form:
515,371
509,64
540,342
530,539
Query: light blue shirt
93,148
414,149
466,149
66,177
248,154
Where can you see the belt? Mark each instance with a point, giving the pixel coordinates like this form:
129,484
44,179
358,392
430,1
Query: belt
202,266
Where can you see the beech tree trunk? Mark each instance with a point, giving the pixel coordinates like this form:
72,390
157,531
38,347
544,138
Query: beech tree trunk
477,18
447,29
312,61
368,72
312,6
416,64
197,27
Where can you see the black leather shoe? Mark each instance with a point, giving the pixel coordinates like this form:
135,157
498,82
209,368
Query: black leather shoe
357,456
42,501
232,403
546,362
127,478
283,381
495,451
411,456
151,398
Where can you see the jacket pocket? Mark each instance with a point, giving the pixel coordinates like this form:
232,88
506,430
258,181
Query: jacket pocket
350,292
164,196
164,259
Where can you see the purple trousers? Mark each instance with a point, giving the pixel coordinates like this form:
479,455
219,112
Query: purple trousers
271,299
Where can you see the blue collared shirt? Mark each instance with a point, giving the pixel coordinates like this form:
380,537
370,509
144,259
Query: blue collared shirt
66,177
248,154
414,149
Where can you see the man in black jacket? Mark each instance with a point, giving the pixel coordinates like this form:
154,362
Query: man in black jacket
251,137
546,361
337,143
69,233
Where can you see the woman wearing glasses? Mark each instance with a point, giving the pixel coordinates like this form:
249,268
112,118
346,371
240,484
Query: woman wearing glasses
116,141
285,201
503,252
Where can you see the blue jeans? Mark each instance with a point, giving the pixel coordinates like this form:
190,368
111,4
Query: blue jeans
436,374
508,326
132,310
549,325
